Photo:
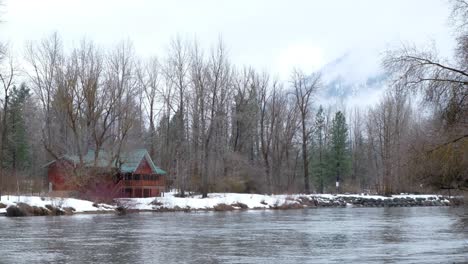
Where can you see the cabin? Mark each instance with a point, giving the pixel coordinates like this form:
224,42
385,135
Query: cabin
134,175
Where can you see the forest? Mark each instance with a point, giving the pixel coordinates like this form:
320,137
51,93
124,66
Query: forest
219,127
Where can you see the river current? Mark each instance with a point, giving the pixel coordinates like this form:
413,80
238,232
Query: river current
321,235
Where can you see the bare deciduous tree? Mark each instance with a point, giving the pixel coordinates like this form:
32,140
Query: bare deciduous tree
304,89
8,75
44,59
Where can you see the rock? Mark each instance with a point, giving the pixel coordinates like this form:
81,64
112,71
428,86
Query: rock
456,201
121,210
156,203
163,209
54,210
39,211
14,211
339,203
69,210
22,209
426,203
223,207
2,206
286,206
446,202
325,203
240,205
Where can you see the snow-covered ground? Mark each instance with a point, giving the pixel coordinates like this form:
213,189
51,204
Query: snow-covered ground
226,201
197,203
79,206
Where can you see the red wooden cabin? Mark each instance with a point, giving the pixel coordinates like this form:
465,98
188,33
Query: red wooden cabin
135,176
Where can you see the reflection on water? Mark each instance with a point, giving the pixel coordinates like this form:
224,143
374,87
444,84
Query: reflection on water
332,235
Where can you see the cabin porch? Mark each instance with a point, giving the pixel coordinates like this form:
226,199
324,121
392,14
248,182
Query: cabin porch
135,185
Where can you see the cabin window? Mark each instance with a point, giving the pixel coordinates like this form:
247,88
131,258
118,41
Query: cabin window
136,177
146,193
128,176
128,192
145,177
138,193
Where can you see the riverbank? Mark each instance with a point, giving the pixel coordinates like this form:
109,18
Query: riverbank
237,201
34,205
38,206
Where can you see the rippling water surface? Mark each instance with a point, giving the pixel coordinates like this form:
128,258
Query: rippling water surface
334,235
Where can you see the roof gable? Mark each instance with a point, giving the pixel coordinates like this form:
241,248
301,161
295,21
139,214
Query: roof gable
129,161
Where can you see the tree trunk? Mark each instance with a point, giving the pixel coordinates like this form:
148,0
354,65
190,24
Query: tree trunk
3,141
305,157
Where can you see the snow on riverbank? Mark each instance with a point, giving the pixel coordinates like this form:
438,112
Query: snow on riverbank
35,205
258,201
197,203
75,205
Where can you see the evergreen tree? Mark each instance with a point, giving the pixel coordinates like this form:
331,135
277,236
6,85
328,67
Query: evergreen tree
17,146
319,166
339,159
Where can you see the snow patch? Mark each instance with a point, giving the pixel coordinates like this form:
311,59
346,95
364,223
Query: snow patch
79,206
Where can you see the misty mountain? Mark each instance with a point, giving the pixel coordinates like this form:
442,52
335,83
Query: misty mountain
352,75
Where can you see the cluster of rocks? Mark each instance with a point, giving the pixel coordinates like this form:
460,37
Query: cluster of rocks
159,207
23,209
311,201
359,201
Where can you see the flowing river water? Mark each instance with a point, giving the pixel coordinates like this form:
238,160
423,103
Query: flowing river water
322,235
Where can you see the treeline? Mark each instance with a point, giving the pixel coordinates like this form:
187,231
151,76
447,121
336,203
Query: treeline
218,127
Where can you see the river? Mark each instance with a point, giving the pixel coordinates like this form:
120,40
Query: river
322,235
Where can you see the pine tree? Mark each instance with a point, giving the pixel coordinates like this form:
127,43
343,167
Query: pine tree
339,159
319,152
17,149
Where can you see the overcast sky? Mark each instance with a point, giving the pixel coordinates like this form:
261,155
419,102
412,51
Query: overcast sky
270,35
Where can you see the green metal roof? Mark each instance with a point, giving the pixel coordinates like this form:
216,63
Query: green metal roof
132,159
88,159
129,160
